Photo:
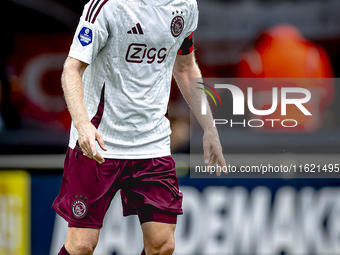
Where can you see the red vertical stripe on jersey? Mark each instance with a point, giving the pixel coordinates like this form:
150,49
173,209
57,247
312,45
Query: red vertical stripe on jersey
179,52
191,48
100,7
88,11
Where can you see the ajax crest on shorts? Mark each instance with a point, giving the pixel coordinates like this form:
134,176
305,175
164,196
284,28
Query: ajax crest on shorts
79,208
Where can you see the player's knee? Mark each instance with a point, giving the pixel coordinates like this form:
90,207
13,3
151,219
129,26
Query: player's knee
168,248
161,247
82,248
85,249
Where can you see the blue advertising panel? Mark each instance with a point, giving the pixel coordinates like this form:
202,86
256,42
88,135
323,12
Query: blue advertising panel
221,216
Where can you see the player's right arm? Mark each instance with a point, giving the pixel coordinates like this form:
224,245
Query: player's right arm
90,37
73,91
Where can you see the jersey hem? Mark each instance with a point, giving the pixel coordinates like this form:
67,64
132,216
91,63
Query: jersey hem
137,156
130,156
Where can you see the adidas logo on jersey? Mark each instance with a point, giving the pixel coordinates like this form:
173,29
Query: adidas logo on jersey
136,30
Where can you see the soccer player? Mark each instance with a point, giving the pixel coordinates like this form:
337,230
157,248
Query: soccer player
116,82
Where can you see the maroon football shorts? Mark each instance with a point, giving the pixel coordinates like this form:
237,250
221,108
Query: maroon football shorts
148,188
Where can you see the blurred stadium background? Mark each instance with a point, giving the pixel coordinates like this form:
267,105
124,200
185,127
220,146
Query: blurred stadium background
235,38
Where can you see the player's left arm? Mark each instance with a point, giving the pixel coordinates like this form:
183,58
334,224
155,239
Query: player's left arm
185,68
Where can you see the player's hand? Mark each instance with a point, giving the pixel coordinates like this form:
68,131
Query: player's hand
213,150
88,135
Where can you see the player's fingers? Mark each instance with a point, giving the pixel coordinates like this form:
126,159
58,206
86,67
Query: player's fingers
221,162
86,152
208,162
218,168
99,158
212,160
95,154
207,153
100,141
85,147
93,150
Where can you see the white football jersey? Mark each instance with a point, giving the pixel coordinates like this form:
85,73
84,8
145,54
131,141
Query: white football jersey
131,46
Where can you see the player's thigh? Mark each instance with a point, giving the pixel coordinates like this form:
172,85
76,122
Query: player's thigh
81,240
158,236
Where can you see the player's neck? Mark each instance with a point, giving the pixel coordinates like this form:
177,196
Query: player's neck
156,2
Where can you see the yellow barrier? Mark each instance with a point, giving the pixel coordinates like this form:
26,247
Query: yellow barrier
15,195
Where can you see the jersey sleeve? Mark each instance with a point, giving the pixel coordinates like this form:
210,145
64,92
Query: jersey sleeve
193,20
188,44
91,34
